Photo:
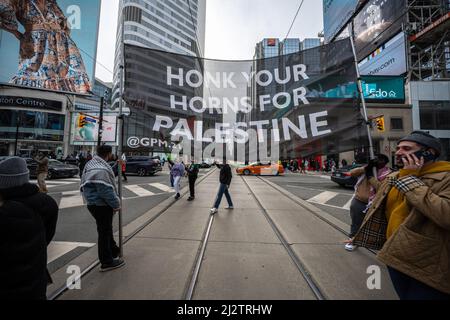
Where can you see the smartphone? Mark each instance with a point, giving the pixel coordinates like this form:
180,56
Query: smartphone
427,155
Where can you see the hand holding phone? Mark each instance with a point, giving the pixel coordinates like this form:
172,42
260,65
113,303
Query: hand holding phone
426,155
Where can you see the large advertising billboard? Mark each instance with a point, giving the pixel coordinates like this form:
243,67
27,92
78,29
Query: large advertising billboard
387,60
336,14
85,129
377,22
49,44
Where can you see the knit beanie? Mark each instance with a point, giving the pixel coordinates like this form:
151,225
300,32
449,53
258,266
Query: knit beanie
424,139
13,173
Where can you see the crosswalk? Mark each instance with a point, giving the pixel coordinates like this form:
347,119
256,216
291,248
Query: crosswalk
333,200
72,199
58,183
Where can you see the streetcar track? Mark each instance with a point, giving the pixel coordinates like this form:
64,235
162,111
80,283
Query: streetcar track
295,259
60,291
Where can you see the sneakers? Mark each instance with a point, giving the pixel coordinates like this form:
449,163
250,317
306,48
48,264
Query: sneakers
230,208
177,196
191,199
214,211
350,247
117,263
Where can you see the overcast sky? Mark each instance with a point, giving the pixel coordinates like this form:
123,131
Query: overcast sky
233,27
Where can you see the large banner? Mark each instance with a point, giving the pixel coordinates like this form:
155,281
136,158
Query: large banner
336,14
85,129
50,44
274,108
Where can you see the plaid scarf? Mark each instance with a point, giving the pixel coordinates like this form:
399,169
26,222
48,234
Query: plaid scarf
98,170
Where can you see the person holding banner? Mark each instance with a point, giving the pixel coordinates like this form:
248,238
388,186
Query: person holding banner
409,221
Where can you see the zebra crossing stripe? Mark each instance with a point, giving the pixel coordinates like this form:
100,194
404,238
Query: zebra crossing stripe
161,186
71,200
139,191
323,197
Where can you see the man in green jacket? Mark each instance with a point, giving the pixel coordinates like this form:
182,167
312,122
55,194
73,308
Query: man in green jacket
409,221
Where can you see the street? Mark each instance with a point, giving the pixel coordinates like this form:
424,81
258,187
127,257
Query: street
76,230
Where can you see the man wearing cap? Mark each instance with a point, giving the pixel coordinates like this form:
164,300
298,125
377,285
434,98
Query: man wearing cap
409,221
27,225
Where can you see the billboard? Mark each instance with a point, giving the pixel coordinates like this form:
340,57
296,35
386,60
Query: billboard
85,129
387,60
50,44
377,22
336,14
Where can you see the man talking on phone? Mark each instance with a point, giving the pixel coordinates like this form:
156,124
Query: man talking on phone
409,221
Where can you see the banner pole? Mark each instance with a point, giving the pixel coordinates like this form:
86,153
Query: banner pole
120,138
361,94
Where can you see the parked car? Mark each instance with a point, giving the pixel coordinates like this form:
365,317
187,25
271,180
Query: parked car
259,168
143,166
342,176
56,169
204,165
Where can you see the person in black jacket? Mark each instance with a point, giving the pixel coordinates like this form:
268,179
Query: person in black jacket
225,182
27,225
192,173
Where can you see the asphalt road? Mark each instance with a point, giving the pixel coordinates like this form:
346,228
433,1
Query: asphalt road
76,229
320,191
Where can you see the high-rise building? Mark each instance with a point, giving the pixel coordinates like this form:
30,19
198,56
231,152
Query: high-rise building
405,39
175,26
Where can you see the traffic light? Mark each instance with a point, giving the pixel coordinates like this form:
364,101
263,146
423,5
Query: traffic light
81,121
380,124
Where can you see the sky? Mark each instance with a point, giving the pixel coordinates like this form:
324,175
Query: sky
233,27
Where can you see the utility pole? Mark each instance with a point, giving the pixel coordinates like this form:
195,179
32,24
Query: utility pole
16,143
100,122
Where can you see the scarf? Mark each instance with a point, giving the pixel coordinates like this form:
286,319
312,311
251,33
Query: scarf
98,170
397,208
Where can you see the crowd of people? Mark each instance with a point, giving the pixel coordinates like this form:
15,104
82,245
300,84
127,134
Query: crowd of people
311,164
404,214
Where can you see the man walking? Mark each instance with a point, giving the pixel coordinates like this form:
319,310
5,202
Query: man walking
99,190
225,182
192,172
123,167
409,221
42,171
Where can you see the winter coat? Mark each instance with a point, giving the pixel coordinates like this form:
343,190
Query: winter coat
193,171
420,248
27,225
226,175
177,170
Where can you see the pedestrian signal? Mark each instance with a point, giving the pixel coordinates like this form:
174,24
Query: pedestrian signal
380,124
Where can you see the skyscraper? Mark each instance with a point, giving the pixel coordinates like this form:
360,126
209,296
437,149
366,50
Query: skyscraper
175,26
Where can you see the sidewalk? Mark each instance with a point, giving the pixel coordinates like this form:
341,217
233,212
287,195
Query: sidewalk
244,258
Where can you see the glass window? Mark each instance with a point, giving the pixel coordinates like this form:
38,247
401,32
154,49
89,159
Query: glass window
396,124
434,115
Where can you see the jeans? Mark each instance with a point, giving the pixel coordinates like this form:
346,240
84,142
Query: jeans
192,186
41,182
357,214
409,288
223,190
171,180
177,184
107,247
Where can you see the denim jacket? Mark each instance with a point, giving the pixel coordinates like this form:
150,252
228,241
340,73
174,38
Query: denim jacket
97,194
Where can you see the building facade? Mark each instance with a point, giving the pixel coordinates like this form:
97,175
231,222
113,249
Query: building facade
175,26
407,40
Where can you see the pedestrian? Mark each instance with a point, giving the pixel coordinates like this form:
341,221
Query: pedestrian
42,171
302,167
365,192
81,163
409,221
100,192
123,167
177,173
170,165
192,173
27,225
344,163
295,165
225,182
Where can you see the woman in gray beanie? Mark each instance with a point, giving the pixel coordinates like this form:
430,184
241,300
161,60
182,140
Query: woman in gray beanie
27,225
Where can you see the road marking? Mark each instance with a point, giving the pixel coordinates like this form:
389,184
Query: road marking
57,249
348,204
323,197
161,186
139,191
72,200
